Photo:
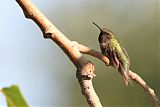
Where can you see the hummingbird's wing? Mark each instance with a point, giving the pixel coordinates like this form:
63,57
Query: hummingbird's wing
122,67
115,58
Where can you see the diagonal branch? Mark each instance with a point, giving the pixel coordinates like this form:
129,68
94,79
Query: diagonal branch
85,69
146,88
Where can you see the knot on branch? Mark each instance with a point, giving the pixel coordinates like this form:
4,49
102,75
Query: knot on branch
86,71
47,32
47,35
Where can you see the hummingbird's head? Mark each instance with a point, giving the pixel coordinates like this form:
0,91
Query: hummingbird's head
105,34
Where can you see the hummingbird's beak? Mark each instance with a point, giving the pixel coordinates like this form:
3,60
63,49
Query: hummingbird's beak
97,26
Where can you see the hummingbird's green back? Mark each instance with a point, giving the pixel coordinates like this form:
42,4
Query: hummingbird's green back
121,53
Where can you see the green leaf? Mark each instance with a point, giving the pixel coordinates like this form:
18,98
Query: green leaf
14,97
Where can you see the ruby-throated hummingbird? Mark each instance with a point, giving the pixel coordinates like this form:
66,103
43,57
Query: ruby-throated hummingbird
117,55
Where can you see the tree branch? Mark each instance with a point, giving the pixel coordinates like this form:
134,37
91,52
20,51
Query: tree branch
85,69
146,88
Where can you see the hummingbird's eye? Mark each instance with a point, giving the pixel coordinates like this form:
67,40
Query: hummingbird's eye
106,33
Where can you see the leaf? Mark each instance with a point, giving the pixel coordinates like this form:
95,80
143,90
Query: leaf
14,97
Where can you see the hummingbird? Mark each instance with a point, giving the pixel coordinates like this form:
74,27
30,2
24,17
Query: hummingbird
115,52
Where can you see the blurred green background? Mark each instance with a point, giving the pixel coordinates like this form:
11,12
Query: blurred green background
45,74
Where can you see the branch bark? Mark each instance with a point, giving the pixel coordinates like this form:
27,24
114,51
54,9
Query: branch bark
85,69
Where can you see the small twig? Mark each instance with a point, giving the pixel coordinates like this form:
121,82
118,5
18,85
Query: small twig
72,49
89,51
146,88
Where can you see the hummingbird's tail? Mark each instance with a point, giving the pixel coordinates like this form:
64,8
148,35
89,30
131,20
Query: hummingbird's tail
127,78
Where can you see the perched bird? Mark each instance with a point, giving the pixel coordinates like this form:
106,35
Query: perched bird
117,55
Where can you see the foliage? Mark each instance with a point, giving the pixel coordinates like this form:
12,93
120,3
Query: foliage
14,97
